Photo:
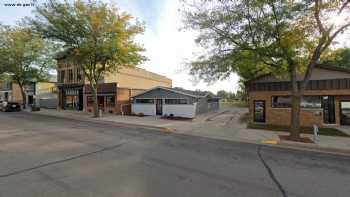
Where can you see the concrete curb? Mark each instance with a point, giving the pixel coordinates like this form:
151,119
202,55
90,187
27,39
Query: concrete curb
314,148
281,144
99,120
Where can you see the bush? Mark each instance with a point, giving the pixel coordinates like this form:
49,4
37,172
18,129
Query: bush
141,114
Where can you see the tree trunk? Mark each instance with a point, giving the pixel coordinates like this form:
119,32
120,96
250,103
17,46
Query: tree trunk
24,99
295,117
94,96
296,101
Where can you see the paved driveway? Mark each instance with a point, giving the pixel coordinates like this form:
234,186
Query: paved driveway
46,156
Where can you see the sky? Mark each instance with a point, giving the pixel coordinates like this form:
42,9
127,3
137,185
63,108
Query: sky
167,47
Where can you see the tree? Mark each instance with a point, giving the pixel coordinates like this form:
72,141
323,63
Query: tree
339,58
24,57
252,37
223,94
94,36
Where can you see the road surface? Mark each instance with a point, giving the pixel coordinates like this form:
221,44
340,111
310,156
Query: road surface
48,156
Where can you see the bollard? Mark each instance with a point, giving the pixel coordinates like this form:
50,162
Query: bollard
315,133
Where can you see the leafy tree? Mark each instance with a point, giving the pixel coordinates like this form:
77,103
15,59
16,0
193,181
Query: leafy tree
252,37
24,57
223,94
339,58
94,36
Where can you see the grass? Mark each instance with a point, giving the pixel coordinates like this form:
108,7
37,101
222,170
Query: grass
234,104
305,130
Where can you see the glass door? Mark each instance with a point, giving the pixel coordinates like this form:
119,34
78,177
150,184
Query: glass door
101,102
159,107
259,111
328,109
345,112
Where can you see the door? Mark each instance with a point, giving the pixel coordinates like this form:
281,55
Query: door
6,96
81,100
345,112
30,100
101,102
328,109
259,111
159,107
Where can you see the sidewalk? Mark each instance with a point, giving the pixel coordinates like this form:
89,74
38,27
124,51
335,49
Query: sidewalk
222,125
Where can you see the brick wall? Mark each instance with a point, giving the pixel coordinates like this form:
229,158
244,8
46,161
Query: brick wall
137,78
308,117
122,101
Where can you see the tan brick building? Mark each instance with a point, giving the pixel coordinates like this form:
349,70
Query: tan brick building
114,90
326,101
41,94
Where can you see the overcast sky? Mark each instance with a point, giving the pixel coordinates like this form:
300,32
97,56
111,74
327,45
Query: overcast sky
167,47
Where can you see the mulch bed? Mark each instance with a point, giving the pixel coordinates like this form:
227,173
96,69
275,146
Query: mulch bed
301,139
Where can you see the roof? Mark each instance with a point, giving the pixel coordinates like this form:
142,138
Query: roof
321,66
335,68
195,94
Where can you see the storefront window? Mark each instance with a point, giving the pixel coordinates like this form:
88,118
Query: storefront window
176,101
311,102
306,102
145,101
110,100
90,101
72,102
281,101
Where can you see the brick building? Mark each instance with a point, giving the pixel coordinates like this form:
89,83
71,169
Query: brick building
326,101
41,94
114,90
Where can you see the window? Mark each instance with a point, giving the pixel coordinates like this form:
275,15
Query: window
90,101
70,75
176,101
62,76
311,102
78,74
281,101
145,101
307,102
110,100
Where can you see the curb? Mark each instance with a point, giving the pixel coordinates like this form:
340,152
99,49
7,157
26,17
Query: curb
280,144
98,120
315,148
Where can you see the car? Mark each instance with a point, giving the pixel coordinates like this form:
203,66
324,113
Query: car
2,105
12,107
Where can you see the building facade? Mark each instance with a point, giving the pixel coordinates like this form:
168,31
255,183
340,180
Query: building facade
163,101
5,90
326,101
114,89
43,94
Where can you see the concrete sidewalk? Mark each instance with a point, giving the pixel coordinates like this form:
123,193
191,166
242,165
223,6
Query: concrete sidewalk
224,125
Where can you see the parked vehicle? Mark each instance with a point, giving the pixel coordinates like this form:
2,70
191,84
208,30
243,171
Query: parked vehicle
12,107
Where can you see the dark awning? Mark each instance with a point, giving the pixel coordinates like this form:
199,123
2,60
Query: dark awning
105,88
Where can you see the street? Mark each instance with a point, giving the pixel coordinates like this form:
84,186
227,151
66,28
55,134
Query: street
49,156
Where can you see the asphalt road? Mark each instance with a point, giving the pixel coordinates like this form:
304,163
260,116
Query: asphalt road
46,156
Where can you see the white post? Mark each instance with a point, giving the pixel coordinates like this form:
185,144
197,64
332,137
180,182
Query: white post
316,133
